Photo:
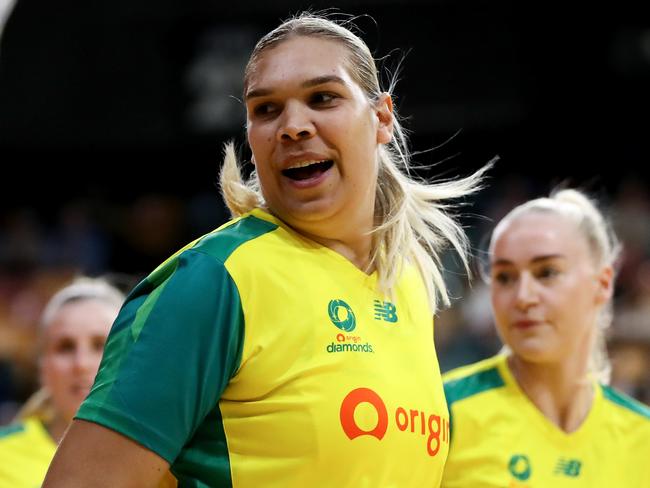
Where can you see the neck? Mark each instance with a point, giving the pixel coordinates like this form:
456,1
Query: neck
356,250
350,236
561,391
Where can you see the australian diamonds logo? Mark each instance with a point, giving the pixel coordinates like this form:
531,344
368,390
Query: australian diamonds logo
342,316
519,467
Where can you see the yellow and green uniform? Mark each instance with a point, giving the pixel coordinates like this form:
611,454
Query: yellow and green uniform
500,439
254,357
26,450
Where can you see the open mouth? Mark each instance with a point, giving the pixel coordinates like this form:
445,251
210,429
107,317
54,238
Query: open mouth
312,170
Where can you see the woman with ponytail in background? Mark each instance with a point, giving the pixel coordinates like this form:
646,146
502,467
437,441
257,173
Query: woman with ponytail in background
73,329
541,414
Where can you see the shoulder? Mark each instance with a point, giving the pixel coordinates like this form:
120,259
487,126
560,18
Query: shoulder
11,431
626,423
222,242
26,450
29,430
209,252
470,380
625,404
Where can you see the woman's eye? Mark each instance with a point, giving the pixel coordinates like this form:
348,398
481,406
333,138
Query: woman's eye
547,272
64,347
321,98
98,343
264,109
503,278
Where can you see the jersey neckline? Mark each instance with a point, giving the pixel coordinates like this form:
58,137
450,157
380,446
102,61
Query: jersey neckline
369,279
580,435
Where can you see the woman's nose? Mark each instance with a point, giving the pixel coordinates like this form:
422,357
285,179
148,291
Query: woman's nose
526,291
295,123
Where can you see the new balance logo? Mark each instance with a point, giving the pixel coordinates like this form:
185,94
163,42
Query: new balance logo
568,467
385,311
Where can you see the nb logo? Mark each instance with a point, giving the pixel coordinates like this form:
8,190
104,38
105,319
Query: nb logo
385,311
568,467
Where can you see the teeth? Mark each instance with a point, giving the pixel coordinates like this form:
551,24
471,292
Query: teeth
303,164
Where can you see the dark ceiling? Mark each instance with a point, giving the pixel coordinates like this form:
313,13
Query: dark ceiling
127,96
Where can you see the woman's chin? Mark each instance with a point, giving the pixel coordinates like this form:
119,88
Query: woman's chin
533,350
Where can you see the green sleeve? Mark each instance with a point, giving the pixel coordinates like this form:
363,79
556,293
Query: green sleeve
170,354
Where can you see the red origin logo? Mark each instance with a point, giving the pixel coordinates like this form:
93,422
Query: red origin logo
434,428
349,405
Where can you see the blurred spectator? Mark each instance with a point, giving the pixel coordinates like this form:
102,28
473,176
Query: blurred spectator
631,220
21,241
148,232
77,241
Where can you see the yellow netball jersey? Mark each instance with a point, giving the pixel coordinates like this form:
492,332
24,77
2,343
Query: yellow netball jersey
256,358
26,450
500,439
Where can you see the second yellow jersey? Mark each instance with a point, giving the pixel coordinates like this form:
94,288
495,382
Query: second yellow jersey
26,450
500,439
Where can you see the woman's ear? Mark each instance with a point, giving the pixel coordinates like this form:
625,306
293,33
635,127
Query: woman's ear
605,284
384,113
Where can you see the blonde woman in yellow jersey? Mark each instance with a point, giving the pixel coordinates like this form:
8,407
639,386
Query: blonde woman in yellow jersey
293,346
74,327
541,414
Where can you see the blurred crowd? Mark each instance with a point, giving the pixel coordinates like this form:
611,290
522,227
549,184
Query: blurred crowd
42,250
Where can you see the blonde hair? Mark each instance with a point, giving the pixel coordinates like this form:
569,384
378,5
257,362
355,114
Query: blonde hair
81,289
603,245
413,219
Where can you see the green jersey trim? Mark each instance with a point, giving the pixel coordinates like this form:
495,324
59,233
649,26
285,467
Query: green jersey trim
461,388
468,386
222,243
11,429
625,401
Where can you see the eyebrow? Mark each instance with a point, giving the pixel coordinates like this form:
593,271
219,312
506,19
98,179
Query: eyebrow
536,259
319,80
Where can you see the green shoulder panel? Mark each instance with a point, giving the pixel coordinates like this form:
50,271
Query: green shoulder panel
625,401
8,430
219,244
174,346
222,243
467,386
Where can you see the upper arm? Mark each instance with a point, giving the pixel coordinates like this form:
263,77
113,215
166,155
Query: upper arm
92,455
170,354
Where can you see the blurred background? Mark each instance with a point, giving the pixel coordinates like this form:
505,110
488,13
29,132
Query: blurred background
113,114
